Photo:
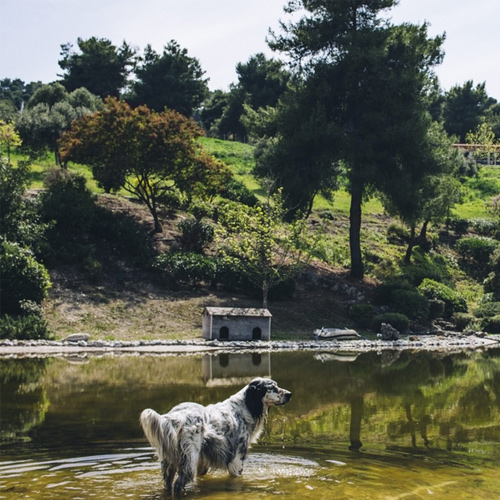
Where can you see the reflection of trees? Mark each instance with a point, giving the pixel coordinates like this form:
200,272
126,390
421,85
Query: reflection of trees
437,401
20,383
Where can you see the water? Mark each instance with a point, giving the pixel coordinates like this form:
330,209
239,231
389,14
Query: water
369,426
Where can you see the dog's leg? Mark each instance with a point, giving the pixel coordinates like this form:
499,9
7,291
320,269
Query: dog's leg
235,467
168,473
186,475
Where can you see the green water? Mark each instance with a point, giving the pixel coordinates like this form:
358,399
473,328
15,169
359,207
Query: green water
388,426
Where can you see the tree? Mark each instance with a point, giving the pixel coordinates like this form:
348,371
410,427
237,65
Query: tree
298,150
379,77
171,80
261,83
99,66
9,138
482,136
263,247
464,108
426,189
146,153
50,112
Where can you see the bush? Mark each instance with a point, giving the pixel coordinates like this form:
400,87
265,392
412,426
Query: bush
397,320
383,294
237,191
485,227
412,304
487,310
462,320
491,324
186,267
29,326
397,235
436,308
23,278
435,290
458,225
195,234
362,314
476,249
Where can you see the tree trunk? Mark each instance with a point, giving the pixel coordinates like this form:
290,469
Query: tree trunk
422,238
265,291
357,270
411,244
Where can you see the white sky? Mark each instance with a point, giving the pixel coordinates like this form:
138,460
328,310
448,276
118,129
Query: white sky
221,33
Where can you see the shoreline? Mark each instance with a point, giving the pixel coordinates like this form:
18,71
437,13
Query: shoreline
82,348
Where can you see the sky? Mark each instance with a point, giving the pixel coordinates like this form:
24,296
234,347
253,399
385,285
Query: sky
222,33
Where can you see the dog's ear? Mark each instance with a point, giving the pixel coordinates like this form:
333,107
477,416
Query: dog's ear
253,397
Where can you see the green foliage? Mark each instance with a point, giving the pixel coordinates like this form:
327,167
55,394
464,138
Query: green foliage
412,304
476,249
196,235
99,66
458,224
397,235
18,218
186,267
487,310
268,250
491,324
29,325
23,278
148,154
397,320
235,190
462,320
453,301
172,80
425,266
362,314
484,226
84,233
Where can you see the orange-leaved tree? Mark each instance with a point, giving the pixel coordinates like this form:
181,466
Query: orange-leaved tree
146,153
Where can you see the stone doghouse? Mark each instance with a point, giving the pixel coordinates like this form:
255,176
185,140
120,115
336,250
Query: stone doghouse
234,323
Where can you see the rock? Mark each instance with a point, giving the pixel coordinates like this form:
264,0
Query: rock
77,337
389,332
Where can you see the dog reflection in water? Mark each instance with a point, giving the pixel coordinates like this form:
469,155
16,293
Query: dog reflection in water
191,438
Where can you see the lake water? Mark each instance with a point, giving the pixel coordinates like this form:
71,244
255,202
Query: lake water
369,426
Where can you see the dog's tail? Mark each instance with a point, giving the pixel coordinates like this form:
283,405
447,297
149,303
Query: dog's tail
160,433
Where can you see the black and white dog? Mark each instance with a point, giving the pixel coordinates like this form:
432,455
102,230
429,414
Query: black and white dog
191,438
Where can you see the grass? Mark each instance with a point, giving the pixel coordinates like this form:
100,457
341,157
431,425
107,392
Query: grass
382,259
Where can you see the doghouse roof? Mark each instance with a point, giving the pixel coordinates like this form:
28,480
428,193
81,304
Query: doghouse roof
238,311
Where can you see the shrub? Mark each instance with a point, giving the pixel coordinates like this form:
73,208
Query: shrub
458,225
186,267
397,235
487,310
436,308
195,234
31,325
491,324
435,290
362,314
412,304
383,293
477,249
237,191
397,320
462,320
485,227
23,278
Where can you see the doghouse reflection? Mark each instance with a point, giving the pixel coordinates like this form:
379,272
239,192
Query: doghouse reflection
228,368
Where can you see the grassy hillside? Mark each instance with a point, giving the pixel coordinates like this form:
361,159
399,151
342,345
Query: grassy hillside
124,304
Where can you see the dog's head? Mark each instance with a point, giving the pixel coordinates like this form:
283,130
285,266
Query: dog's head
262,393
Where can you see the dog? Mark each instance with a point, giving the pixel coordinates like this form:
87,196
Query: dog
191,438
